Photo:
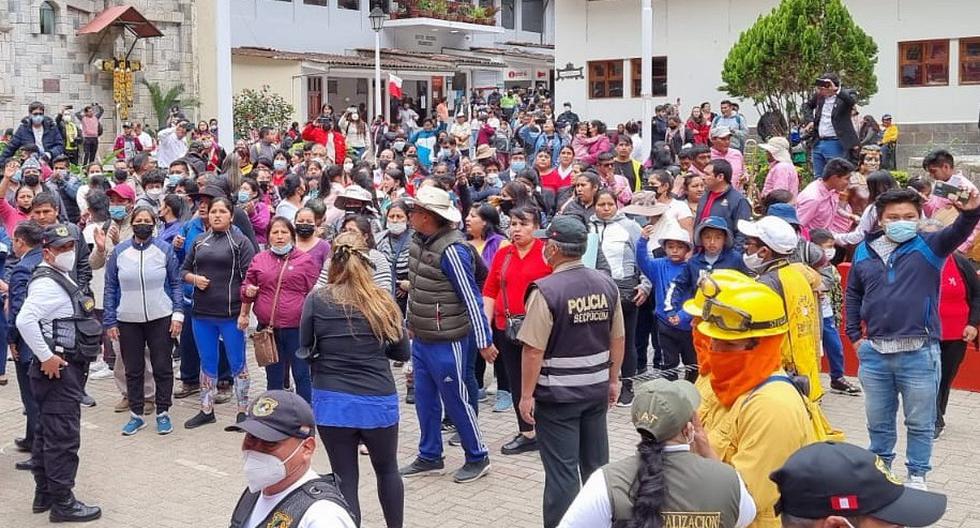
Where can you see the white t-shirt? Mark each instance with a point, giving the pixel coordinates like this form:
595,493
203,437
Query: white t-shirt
678,210
592,509
323,513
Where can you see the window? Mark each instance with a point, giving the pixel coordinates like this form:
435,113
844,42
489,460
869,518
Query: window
321,3
605,79
507,13
659,76
47,18
970,60
354,5
532,15
923,63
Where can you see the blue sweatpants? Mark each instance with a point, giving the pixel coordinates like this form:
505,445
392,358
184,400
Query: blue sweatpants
440,379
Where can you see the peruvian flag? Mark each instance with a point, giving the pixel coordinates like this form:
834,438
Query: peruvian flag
394,86
844,502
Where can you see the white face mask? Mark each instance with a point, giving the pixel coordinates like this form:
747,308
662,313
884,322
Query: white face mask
752,261
65,262
263,470
397,228
830,253
154,193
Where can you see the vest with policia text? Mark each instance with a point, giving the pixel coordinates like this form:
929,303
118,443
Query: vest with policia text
435,312
701,493
290,510
78,337
582,302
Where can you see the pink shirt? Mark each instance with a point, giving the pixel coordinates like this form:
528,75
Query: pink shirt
734,157
11,216
963,183
90,126
816,206
782,175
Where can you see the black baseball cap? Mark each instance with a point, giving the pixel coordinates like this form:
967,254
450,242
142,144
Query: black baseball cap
277,415
829,478
57,236
564,228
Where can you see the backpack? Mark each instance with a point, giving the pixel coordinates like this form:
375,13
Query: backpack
79,336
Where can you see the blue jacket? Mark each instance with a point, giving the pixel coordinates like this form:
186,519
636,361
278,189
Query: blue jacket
662,272
20,277
900,298
684,285
150,277
538,141
54,144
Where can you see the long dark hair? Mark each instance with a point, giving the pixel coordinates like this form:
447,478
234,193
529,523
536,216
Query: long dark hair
651,486
879,181
490,217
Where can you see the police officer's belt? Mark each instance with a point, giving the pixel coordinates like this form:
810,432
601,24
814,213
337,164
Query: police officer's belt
290,510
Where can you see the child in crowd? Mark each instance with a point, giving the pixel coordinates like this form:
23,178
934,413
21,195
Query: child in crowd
714,251
674,331
831,301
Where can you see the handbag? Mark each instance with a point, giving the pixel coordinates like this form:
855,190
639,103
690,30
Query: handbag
264,340
513,322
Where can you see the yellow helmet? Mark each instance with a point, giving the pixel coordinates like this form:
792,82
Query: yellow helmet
732,305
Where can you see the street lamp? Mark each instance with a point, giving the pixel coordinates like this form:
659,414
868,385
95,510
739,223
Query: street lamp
377,17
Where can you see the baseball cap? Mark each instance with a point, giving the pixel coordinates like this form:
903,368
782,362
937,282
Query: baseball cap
886,116
127,124
663,408
785,211
124,191
57,236
774,232
277,415
564,228
830,478
721,131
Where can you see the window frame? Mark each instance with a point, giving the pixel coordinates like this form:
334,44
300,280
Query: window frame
606,78
341,6
44,8
636,79
316,3
508,14
537,20
923,63
964,42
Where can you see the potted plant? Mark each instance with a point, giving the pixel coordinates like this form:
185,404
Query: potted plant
424,8
440,9
490,15
412,7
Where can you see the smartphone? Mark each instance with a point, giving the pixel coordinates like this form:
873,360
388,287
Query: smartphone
951,192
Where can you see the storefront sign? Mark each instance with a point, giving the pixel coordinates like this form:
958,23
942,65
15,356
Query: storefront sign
518,74
541,74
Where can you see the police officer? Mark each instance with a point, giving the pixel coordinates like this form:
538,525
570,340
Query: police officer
56,377
573,347
838,485
278,451
674,476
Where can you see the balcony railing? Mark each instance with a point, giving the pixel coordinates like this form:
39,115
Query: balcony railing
453,11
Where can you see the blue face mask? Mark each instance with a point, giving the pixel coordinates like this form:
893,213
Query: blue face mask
244,196
17,177
518,166
117,212
174,179
37,119
282,250
901,230
315,193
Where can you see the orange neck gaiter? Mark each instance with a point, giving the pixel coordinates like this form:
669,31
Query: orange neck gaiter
702,346
735,373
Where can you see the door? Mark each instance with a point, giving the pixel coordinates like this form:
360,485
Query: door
314,96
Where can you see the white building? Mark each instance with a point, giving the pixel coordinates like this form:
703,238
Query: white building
928,60
314,52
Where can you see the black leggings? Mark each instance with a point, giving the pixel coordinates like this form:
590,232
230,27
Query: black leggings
952,352
382,444
511,354
628,369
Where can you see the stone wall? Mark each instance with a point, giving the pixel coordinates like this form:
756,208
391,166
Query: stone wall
914,141
58,69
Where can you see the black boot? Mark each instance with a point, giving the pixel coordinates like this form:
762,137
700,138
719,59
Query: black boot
42,501
70,509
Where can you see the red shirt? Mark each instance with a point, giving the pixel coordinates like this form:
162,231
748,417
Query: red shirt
552,180
954,307
521,272
706,212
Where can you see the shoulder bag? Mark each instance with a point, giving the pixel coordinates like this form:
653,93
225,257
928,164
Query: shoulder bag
513,322
264,340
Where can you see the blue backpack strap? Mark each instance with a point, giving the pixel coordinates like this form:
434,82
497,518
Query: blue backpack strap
770,379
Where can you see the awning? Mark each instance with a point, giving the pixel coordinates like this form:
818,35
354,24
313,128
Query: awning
125,16
391,60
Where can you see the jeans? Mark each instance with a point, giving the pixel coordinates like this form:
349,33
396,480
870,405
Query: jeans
913,375
287,343
824,151
833,348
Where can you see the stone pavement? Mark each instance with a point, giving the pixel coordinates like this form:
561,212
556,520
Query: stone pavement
194,478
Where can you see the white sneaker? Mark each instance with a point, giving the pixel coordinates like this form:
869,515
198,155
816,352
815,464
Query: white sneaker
100,374
916,482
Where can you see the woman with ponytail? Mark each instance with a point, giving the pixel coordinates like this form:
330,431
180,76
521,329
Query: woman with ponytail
674,479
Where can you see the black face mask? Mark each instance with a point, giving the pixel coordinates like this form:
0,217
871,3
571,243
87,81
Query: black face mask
305,230
120,176
142,231
264,185
506,206
478,181
31,180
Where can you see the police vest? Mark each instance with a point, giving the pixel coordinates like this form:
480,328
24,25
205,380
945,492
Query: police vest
582,302
290,510
701,493
79,336
435,312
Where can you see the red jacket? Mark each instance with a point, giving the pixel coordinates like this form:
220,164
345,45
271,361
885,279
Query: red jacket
121,144
319,135
701,131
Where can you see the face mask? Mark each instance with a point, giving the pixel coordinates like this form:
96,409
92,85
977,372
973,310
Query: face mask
518,166
263,470
752,261
315,193
120,175
31,180
282,250
348,167
117,212
478,181
305,230
154,194
544,254
264,185
279,165
174,179
142,231
397,228
244,196
409,170
37,119
830,253
901,230
354,117
492,178
506,206
398,145
67,116
65,261
17,177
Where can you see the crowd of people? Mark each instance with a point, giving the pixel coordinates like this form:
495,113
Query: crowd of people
585,267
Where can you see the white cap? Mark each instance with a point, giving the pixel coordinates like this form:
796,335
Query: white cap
774,232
